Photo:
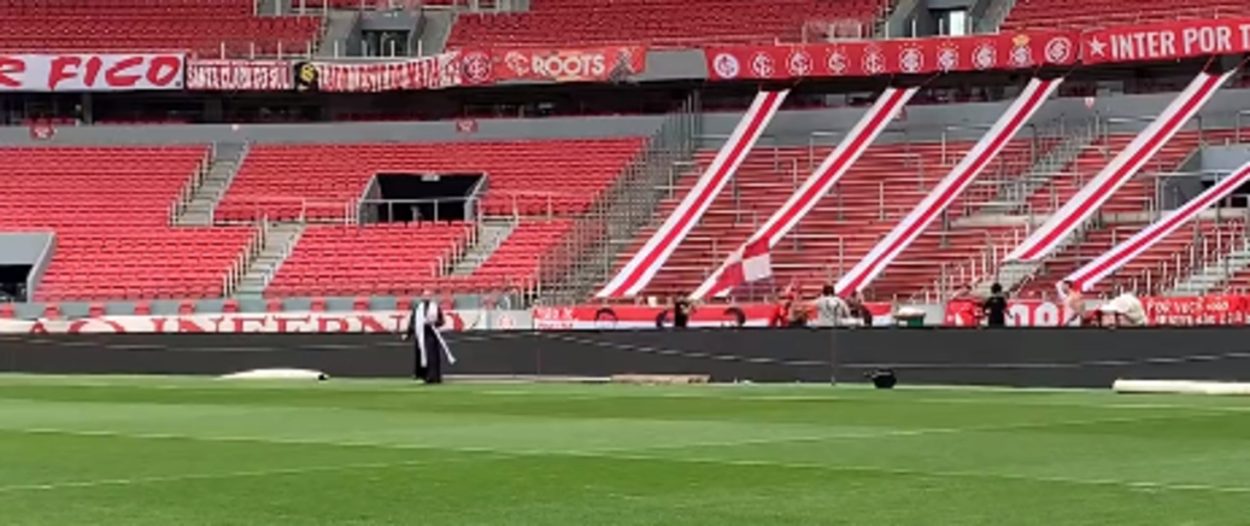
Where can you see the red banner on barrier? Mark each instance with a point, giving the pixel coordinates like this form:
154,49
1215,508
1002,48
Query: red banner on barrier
240,75
274,322
433,72
91,72
558,65
618,317
1169,41
891,57
1209,310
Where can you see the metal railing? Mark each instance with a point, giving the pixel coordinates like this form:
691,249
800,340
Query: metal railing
187,193
238,269
586,256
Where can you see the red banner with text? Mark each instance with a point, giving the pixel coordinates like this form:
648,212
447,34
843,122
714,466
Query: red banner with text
1167,41
424,73
91,72
1207,310
596,64
240,75
891,57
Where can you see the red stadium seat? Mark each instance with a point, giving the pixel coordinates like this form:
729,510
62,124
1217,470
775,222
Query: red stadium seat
96,310
113,241
685,23
206,27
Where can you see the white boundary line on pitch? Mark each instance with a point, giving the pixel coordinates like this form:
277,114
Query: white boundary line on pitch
223,475
600,454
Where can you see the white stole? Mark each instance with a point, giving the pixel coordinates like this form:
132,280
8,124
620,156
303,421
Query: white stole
427,314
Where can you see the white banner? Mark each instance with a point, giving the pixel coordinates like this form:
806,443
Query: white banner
1093,272
1046,238
433,72
949,189
852,146
643,266
91,72
240,75
268,322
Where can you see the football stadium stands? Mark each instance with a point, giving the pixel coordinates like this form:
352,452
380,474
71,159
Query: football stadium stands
888,180
1137,196
207,28
376,259
1077,14
110,209
659,23
117,240
524,177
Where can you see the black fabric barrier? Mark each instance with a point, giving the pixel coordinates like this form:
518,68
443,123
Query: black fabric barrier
1019,357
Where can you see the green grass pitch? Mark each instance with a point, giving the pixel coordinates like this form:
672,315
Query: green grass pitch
185,451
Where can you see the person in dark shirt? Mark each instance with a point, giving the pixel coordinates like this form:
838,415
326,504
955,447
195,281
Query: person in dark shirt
995,307
681,312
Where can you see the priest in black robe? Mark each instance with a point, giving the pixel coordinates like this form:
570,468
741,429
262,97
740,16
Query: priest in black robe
429,349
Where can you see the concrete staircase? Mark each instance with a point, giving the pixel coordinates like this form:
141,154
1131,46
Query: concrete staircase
490,234
1013,274
340,34
226,159
1013,194
1215,274
280,239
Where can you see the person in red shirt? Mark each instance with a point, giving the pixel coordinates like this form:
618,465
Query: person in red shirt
781,312
965,307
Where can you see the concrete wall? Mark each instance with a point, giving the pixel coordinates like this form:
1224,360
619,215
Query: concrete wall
791,127
1217,159
1092,358
488,129
35,249
23,248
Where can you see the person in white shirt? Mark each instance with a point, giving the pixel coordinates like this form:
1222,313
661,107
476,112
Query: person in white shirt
1125,309
831,311
1073,303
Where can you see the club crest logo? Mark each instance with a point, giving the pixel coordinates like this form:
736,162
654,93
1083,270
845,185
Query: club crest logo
1059,50
762,65
726,65
1021,52
911,60
837,62
799,64
874,61
948,58
985,56
477,67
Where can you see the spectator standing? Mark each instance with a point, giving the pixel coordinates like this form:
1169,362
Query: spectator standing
858,309
830,309
995,307
682,309
1073,303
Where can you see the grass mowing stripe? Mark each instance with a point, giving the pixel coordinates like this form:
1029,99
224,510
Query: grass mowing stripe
222,475
685,445
613,455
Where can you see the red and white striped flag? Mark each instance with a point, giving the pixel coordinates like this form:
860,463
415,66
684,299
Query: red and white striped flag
751,263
